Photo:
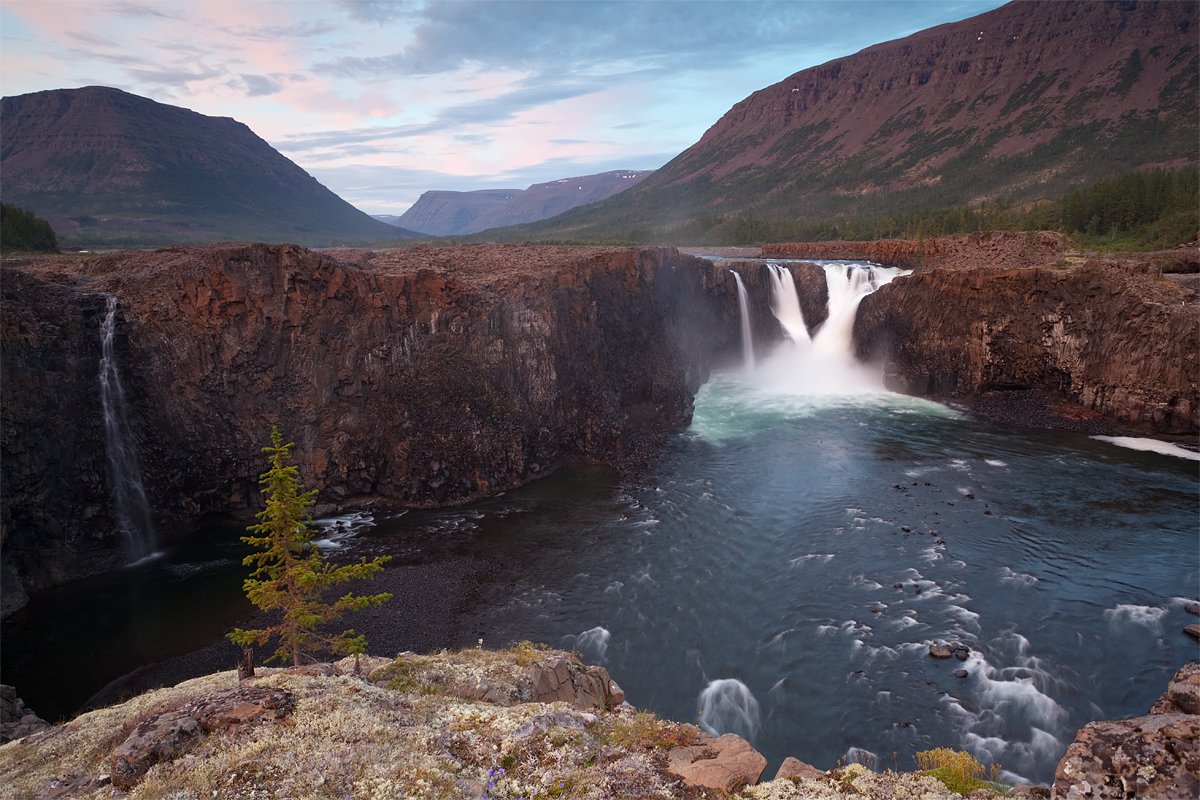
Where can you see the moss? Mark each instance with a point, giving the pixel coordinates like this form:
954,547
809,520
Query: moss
961,772
647,731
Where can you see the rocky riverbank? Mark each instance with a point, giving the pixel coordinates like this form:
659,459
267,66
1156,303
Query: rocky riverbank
525,722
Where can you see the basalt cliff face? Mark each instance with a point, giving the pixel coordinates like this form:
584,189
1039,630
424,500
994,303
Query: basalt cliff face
1105,340
415,378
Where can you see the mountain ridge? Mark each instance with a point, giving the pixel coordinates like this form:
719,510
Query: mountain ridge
109,167
449,213
1020,103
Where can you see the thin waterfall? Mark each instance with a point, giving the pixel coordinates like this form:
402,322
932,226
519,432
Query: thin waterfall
785,304
744,310
129,494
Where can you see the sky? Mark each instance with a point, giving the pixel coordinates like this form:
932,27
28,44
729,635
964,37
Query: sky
383,100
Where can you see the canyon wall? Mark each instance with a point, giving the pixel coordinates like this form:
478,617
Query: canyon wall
1114,342
436,376
413,378
962,251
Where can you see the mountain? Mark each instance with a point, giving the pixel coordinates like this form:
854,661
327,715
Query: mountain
1020,103
108,167
454,213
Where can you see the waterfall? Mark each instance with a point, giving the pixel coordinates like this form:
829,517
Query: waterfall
744,309
129,494
785,304
824,364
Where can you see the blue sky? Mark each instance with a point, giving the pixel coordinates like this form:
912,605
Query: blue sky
383,100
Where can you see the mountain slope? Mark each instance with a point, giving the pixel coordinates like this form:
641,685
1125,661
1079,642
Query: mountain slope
105,166
1019,103
444,213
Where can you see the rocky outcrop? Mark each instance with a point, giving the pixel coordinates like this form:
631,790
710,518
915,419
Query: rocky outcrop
727,763
569,682
1151,756
1011,249
16,718
420,377
1102,339
167,736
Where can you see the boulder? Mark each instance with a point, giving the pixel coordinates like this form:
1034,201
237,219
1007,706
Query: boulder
564,681
940,651
169,735
1152,756
793,767
161,738
17,720
1183,693
1192,631
238,708
726,763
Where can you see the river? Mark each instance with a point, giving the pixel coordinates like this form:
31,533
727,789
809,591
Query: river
780,572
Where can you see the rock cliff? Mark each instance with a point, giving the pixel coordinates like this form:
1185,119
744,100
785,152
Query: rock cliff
1109,341
414,378
965,251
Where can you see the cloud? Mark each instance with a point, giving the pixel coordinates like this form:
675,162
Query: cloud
378,11
492,111
174,77
91,38
259,85
276,33
138,10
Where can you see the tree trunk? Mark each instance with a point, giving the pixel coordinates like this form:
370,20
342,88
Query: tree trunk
246,665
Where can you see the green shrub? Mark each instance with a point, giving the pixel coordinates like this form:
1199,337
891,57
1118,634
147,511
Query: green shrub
961,772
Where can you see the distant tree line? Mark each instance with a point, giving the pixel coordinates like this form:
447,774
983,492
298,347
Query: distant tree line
21,230
1139,210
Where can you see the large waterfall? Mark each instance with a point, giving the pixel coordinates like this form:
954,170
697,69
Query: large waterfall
129,494
825,363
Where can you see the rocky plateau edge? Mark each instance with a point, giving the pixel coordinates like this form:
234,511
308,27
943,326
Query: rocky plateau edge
436,376
525,722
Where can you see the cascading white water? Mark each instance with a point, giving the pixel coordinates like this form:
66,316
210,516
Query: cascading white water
129,493
744,310
785,304
824,364
728,706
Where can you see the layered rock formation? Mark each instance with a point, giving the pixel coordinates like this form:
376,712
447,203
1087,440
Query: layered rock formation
416,378
966,251
1106,340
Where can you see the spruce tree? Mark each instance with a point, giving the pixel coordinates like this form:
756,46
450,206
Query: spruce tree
290,574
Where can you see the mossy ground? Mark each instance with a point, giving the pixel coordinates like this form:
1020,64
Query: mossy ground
406,729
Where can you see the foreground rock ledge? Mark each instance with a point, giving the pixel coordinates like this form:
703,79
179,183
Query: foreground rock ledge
523,720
